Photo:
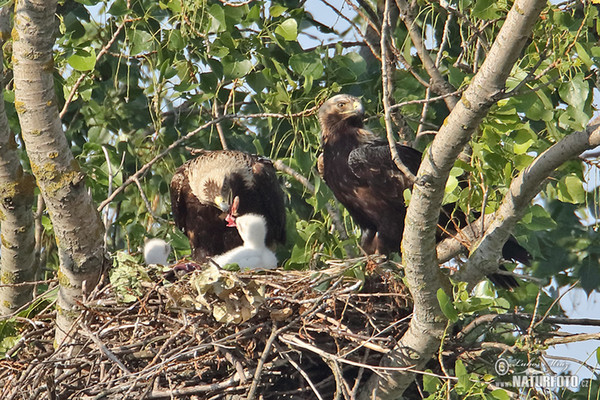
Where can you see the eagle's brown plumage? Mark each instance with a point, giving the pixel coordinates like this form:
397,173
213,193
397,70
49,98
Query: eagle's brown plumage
359,169
203,190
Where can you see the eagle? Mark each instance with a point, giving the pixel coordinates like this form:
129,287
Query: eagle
209,191
358,167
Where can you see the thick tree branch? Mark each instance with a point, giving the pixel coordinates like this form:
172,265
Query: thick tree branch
77,225
422,339
522,190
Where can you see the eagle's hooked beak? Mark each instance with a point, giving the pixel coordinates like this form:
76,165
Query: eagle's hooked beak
222,204
357,107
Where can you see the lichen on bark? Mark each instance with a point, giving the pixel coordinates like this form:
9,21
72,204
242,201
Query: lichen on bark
77,225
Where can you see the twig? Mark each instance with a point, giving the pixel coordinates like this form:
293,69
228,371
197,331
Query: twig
103,348
300,370
387,90
146,167
261,362
102,51
332,211
555,302
581,337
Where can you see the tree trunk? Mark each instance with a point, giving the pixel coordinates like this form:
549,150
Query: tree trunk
420,343
77,224
16,200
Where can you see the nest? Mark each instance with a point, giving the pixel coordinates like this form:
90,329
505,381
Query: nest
216,334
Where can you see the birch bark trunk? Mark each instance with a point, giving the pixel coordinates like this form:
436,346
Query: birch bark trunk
77,225
17,263
420,343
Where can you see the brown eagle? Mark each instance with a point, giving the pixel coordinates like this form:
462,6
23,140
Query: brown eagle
358,167
207,190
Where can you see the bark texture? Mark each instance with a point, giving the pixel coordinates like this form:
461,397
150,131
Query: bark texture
422,340
77,225
16,218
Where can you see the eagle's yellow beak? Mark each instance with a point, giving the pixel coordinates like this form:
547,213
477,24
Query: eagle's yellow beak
357,107
221,203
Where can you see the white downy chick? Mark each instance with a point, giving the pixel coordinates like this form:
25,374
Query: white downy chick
253,253
156,251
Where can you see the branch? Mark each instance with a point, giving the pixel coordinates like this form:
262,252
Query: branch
146,167
580,337
102,52
423,275
522,190
332,211
438,84
387,90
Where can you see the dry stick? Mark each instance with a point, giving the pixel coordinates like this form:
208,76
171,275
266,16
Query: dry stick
386,83
438,59
426,100
293,340
439,83
219,127
300,370
573,360
554,303
356,28
261,362
103,348
571,339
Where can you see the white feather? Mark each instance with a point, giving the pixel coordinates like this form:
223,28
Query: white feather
253,253
156,251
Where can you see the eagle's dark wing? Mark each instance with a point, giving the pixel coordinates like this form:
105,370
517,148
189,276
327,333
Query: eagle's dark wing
272,199
373,164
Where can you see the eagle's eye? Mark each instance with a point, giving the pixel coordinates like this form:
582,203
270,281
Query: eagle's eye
341,104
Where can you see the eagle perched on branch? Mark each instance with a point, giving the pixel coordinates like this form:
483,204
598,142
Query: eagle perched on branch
216,186
358,167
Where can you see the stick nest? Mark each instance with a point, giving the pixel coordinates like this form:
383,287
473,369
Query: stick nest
216,334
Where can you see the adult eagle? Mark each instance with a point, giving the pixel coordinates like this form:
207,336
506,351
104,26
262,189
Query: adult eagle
358,167
215,185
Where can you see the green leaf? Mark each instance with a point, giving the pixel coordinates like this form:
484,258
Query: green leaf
288,29
488,9
447,306
217,13
589,274
235,69
83,60
523,141
276,10
575,92
141,42
598,355
431,383
118,8
307,64
500,394
570,190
